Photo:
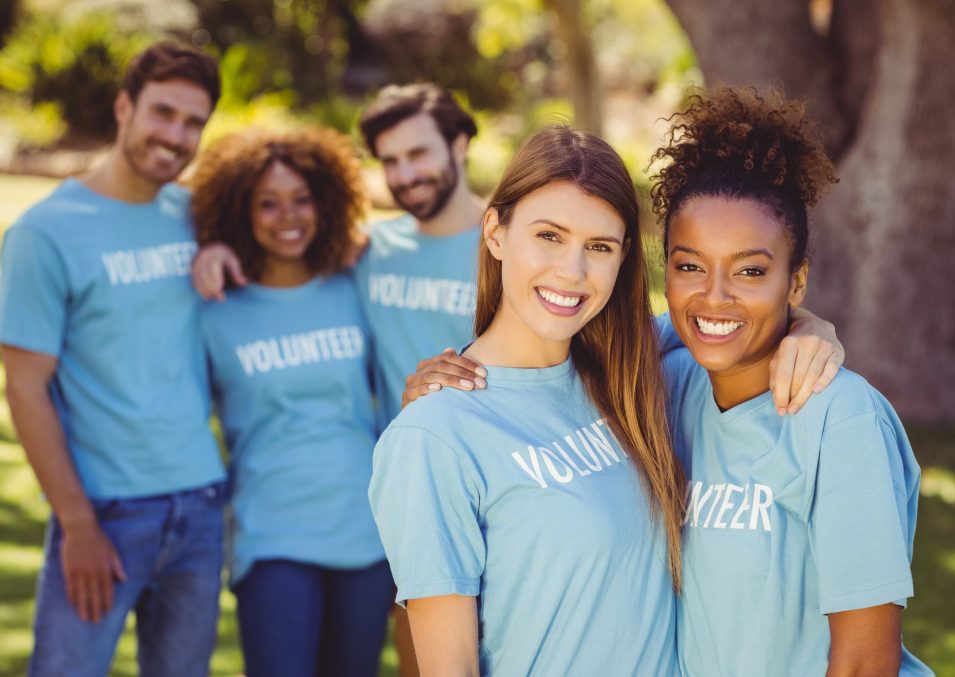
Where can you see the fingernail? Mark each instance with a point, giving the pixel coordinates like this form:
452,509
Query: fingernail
434,386
466,383
781,411
482,371
793,409
818,388
480,383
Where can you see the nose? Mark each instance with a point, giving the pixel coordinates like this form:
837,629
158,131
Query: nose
716,290
572,266
406,171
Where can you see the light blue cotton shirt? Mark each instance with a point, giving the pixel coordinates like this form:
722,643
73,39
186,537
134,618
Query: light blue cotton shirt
519,495
290,370
788,518
104,286
418,293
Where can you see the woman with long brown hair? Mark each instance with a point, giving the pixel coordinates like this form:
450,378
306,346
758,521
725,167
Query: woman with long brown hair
534,526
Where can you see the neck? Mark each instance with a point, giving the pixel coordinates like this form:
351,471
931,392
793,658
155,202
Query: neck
115,179
278,273
740,386
508,342
463,211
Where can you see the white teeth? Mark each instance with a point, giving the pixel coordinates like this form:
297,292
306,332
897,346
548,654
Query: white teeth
717,328
558,300
289,234
166,154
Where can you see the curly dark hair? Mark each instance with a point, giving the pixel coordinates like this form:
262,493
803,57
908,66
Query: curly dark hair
743,144
226,176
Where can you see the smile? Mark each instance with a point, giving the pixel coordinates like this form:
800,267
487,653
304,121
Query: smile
289,234
166,154
716,327
560,304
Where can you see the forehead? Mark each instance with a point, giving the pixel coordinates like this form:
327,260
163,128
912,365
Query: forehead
719,225
183,95
568,206
279,176
415,131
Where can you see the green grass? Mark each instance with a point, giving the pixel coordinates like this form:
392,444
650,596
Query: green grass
929,621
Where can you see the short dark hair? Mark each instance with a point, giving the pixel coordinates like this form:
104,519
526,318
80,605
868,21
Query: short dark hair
395,103
229,170
169,61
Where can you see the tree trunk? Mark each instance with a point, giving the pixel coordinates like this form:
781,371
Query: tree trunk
885,237
581,66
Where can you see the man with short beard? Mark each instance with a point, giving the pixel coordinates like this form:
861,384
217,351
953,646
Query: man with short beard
108,390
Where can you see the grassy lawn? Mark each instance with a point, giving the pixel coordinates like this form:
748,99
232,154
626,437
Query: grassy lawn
929,620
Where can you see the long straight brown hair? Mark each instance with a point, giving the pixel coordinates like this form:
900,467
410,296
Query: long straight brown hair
616,353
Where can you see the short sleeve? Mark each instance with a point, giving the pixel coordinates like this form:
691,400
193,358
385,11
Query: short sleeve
666,335
857,526
34,292
426,507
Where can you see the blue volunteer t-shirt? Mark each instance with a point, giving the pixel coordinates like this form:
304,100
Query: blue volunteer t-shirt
520,495
103,286
418,293
788,518
290,370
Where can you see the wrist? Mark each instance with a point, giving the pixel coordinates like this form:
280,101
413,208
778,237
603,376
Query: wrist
78,520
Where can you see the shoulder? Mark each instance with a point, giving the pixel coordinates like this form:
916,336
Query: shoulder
439,413
176,197
54,212
847,397
393,234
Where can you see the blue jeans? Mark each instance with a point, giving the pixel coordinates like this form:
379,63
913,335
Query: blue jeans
171,550
303,619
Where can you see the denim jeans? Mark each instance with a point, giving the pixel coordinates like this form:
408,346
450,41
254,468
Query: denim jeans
171,550
306,620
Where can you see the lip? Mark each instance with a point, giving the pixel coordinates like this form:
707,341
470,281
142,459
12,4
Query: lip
562,311
710,338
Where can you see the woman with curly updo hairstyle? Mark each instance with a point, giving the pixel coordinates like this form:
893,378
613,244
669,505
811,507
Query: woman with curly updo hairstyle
225,179
289,361
798,529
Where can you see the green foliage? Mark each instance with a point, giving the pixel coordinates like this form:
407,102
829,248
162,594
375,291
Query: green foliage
74,65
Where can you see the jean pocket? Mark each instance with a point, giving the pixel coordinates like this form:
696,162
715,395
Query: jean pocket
106,508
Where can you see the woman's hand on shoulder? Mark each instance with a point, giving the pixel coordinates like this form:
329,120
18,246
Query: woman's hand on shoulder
807,360
209,269
447,370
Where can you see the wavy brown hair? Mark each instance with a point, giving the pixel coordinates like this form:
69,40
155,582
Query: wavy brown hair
228,172
616,353
743,144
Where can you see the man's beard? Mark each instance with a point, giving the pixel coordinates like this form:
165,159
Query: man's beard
444,187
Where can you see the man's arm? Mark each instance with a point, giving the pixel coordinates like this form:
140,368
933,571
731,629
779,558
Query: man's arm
88,558
445,634
866,642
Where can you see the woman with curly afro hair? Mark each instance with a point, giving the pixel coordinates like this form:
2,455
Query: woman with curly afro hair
798,529
289,361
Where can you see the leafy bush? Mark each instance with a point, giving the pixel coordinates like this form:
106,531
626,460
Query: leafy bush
75,65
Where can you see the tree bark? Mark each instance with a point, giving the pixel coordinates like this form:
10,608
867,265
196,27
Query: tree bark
581,65
885,237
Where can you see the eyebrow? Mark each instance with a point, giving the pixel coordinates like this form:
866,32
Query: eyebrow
565,229
746,253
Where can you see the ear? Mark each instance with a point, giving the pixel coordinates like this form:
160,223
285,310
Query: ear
798,285
459,148
493,231
625,248
122,107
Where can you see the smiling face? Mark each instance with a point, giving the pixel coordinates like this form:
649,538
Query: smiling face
158,134
560,254
284,218
422,170
729,288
